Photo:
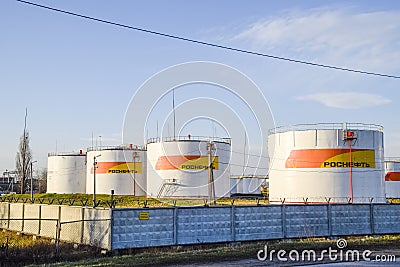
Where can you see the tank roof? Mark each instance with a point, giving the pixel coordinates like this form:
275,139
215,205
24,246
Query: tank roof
392,159
327,126
189,138
52,154
120,147
249,176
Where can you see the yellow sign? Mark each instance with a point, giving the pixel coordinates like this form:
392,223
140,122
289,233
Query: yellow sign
118,168
198,164
129,167
144,216
331,158
187,163
359,159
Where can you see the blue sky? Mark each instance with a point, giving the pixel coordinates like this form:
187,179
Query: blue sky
77,76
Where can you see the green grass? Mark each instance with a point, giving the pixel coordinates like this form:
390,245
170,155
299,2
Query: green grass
120,201
217,253
19,249
24,250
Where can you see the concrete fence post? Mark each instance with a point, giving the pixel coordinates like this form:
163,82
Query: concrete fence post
233,226
110,240
40,220
329,215
23,217
83,224
283,214
371,218
58,231
8,215
175,225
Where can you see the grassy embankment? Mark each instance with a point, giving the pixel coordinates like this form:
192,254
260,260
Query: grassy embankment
120,201
215,253
17,249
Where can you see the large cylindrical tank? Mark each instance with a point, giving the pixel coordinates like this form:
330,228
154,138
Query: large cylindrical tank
339,163
66,173
392,178
122,169
178,167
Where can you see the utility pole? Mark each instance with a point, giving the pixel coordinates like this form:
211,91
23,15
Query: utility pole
24,156
32,198
94,180
134,172
244,152
173,109
349,136
351,170
211,186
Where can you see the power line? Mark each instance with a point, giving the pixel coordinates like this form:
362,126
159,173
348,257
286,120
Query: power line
210,44
240,165
243,153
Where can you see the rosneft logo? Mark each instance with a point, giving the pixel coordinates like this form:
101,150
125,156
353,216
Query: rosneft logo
118,168
187,163
331,158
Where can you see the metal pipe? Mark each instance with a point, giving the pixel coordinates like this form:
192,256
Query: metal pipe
94,180
134,172
351,171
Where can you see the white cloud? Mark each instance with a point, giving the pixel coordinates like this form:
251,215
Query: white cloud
352,39
347,100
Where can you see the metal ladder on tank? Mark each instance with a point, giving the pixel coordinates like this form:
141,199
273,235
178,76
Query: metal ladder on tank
166,183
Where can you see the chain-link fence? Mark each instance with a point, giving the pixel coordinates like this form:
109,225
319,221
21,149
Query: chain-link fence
35,233
21,241
49,240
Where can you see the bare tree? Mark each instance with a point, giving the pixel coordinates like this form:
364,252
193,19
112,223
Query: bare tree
23,160
41,181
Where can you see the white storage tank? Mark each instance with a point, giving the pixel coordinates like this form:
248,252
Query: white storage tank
66,173
340,163
121,168
247,184
178,167
392,178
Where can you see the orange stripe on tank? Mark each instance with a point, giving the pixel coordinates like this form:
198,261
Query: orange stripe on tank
103,167
314,158
172,162
392,176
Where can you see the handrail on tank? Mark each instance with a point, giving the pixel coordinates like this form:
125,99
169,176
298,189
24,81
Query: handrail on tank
326,126
120,147
392,159
50,154
245,176
189,138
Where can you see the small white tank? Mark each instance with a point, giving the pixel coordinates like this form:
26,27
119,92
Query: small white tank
392,178
122,169
66,173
